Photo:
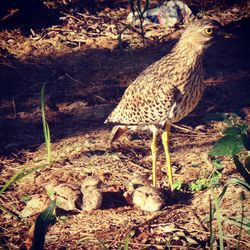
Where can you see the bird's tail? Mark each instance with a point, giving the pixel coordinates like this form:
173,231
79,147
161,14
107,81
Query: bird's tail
117,131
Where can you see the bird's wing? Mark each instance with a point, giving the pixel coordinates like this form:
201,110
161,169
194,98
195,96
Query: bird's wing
147,100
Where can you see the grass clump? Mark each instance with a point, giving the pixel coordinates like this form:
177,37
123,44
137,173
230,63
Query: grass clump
234,144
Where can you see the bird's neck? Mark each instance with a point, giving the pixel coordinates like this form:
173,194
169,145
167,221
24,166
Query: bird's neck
185,62
188,53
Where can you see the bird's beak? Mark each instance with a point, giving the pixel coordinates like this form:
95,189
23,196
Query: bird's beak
227,35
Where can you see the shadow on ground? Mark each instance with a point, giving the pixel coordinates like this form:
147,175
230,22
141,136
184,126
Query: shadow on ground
83,87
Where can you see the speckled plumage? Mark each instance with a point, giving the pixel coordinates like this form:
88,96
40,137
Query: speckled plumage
92,196
142,195
168,90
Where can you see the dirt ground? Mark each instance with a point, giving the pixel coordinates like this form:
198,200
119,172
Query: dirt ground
75,51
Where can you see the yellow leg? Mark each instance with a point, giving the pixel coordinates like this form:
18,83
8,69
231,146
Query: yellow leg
165,141
154,152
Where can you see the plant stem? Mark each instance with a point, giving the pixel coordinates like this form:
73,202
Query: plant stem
219,220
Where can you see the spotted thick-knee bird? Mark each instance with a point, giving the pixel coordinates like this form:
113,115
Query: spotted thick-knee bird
168,90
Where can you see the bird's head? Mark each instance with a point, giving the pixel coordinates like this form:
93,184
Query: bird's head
137,180
202,33
91,182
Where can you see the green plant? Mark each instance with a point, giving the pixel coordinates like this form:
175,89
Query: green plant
215,210
211,218
219,221
211,181
198,185
217,172
18,176
177,185
25,171
235,144
126,243
42,222
46,130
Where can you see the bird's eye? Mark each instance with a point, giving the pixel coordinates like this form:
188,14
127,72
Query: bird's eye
208,31
135,186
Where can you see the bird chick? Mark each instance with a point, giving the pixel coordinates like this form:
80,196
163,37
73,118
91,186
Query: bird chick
66,194
142,195
136,181
148,198
92,196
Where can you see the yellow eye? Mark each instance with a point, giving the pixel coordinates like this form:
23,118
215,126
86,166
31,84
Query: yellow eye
208,31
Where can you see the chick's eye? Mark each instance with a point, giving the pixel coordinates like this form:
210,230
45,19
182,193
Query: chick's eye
208,31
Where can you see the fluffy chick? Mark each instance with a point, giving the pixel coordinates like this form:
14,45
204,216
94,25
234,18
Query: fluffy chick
92,196
142,195
148,198
137,180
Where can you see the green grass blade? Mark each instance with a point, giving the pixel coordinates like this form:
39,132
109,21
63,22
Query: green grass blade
46,130
219,222
18,176
42,223
11,181
32,170
212,238
48,144
232,181
43,108
131,234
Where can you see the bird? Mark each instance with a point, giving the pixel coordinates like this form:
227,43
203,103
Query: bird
136,180
142,195
92,195
66,195
166,91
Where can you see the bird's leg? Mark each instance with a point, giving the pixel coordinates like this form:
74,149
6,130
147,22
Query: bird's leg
154,153
165,142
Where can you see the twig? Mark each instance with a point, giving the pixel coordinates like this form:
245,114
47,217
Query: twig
187,129
73,79
92,16
73,17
